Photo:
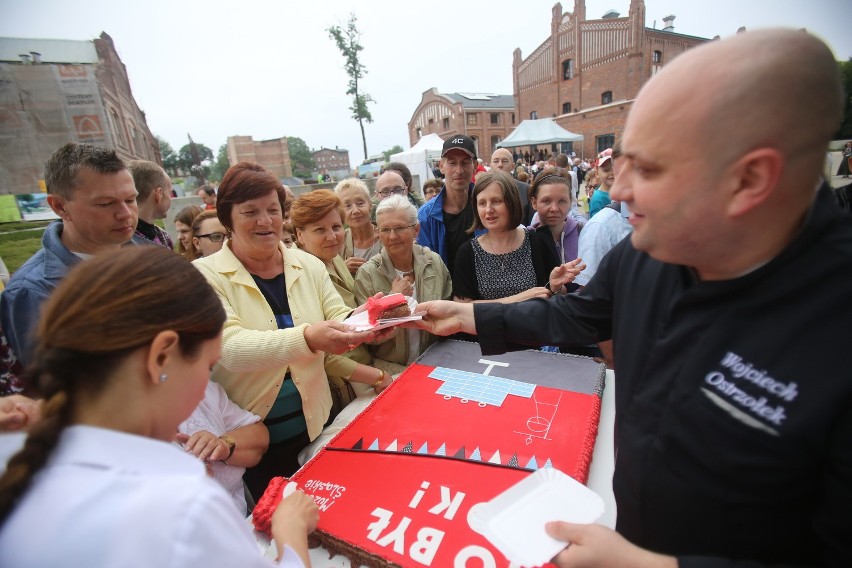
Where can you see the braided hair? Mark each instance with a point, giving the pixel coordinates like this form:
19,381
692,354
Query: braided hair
105,309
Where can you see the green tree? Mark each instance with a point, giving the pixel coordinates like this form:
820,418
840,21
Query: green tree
395,150
300,157
348,42
845,130
169,156
186,160
197,165
221,165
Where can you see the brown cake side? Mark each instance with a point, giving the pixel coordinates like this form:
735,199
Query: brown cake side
399,311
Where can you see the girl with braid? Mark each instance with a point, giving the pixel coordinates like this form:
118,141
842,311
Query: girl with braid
121,361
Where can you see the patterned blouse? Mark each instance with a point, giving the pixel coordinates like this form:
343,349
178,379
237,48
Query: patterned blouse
502,275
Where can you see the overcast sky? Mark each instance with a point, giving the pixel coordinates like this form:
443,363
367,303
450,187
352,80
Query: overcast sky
268,69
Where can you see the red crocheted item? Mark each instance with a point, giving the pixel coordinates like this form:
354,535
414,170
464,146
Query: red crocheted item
266,505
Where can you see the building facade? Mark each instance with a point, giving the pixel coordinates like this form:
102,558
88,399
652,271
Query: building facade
274,155
587,73
57,91
484,117
334,162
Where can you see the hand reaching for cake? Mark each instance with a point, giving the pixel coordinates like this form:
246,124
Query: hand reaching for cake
596,545
443,317
294,519
335,337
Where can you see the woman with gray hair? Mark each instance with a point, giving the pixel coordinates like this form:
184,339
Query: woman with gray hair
405,267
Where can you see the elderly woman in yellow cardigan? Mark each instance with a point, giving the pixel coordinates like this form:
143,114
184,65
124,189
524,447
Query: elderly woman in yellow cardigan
283,317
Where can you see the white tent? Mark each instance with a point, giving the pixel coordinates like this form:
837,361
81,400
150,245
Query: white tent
540,131
419,157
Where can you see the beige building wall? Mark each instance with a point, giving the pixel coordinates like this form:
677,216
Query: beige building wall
273,155
67,91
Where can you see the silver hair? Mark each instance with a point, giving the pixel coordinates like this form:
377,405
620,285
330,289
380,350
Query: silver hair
352,183
398,203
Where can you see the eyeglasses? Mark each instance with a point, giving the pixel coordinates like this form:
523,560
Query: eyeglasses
216,237
392,191
387,231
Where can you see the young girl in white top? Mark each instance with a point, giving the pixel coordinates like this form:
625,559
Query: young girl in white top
121,361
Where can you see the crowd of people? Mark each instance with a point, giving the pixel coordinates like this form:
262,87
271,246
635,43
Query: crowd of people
698,284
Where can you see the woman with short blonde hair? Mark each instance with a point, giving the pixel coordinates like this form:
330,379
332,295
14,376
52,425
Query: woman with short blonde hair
360,240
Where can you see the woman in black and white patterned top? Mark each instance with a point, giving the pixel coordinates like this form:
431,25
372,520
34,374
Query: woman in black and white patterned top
507,263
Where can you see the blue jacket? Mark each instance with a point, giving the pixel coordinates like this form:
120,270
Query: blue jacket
432,230
600,199
30,286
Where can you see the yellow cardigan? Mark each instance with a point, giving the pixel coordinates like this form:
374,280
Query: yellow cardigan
255,353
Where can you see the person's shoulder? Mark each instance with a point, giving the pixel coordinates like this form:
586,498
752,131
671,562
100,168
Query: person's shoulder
29,276
424,210
307,261
206,263
466,248
426,254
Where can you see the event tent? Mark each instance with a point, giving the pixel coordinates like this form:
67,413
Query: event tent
419,157
539,131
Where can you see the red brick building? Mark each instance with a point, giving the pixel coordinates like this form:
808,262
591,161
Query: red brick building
332,161
587,73
484,117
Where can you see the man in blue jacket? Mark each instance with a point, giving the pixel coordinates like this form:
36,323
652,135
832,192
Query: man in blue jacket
444,221
92,192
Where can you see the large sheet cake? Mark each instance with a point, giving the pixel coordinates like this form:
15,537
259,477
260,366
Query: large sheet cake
455,429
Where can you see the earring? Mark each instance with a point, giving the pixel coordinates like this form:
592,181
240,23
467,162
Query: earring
163,377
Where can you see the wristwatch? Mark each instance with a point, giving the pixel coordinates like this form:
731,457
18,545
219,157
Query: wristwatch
232,445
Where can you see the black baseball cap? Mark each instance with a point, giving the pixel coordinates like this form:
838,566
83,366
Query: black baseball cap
459,142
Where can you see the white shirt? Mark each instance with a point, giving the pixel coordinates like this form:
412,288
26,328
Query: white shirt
218,414
599,235
106,498
413,333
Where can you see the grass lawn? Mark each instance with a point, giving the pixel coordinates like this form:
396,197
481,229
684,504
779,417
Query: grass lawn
16,247
20,225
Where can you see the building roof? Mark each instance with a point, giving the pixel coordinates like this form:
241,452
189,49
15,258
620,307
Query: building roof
51,50
338,150
676,34
482,100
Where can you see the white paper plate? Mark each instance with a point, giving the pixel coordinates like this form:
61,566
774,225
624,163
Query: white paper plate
514,520
361,321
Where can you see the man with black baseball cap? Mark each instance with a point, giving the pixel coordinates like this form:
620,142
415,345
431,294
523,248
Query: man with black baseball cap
444,221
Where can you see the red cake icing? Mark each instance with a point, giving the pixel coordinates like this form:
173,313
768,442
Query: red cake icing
377,308
457,428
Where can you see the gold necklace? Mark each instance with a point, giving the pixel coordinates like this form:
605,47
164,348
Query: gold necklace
499,254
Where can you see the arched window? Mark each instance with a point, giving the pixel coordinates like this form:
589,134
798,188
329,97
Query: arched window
567,69
656,61
117,131
135,147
